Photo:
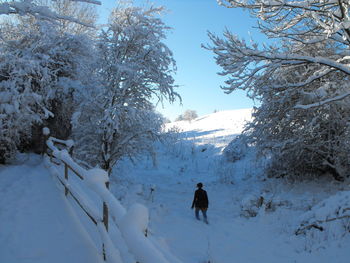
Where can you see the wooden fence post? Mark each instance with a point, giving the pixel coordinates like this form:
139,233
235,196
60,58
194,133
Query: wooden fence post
105,221
71,151
66,177
105,215
45,138
105,211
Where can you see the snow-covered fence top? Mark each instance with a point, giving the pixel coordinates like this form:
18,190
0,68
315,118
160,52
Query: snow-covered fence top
94,179
132,224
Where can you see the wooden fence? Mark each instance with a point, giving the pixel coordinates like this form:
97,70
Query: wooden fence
135,242
67,191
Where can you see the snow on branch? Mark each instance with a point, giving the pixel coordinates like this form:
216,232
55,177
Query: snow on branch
307,65
243,63
317,104
42,12
316,76
88,1
289,17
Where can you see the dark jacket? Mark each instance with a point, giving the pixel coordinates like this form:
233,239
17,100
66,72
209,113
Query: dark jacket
200,199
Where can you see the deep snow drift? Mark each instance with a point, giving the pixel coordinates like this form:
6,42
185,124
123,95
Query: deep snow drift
166,185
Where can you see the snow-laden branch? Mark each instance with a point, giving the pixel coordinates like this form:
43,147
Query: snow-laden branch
95,2
243,63
28,7
295,17
316,76
317,104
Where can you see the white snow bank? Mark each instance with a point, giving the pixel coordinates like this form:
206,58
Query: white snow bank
334,208
96,176
133,227
112,254
137,215
326,223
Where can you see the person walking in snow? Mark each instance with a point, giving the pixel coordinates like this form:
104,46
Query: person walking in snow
200,202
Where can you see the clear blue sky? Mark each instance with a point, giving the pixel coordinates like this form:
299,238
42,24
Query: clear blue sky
196,67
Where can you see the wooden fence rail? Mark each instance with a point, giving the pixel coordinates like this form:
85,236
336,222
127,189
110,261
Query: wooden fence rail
67,189
134,239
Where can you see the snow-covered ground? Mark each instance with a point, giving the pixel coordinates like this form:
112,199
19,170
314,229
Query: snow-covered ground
38,224
269,237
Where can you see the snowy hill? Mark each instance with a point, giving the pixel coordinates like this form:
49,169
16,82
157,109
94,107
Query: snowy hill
218,128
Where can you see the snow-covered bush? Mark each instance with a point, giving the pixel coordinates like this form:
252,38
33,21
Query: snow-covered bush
172,134
236,149
303,143
40,71
171,138
174,142
326,222
41,68
251,205
249,166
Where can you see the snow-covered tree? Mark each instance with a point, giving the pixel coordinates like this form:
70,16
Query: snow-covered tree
179,118
302,22
302,142
188,115
40,71
135,65
104,140
301,79
82,11
39,11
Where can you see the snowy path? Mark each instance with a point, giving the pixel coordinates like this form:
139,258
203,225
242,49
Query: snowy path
229,238
226,239
37,224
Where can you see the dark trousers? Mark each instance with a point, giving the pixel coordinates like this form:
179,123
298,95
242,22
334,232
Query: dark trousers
204,212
